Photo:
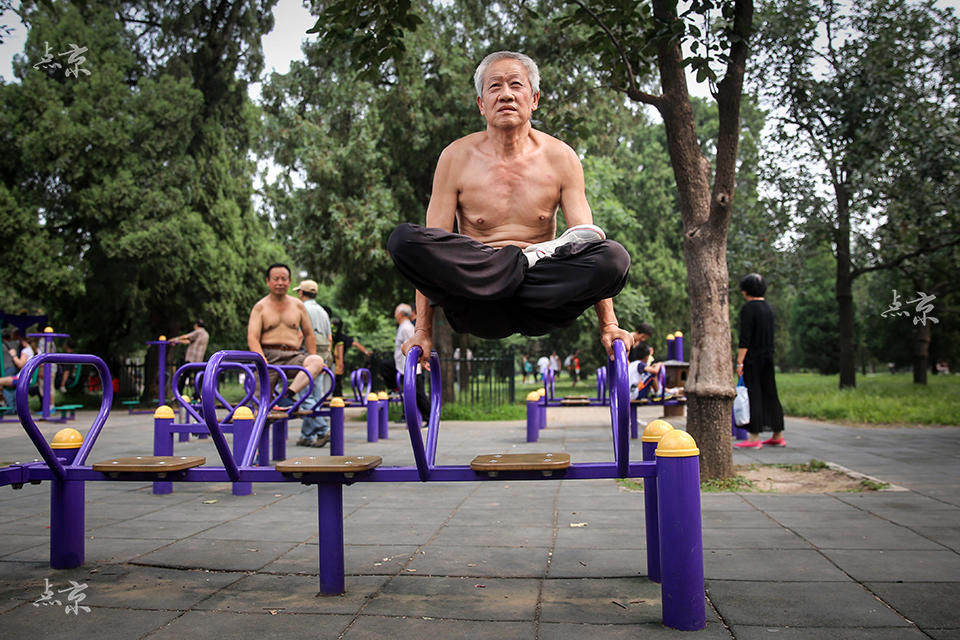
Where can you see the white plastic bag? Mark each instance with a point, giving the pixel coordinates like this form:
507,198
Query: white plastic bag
741,405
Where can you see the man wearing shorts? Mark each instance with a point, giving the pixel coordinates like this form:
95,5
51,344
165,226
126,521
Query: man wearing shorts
274,329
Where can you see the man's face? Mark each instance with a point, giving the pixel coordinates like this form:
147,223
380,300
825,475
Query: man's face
507,99
278,281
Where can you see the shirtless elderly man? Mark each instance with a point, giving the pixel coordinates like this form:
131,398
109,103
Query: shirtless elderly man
504,272
274,328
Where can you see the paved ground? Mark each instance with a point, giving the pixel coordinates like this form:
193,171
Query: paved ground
496,559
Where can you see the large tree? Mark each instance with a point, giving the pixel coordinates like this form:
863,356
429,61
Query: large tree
127,191
864,98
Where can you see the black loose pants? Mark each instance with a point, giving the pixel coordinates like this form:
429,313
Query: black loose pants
492,293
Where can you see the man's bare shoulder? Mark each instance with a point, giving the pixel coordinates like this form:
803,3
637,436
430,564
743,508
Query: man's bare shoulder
557,149
461,148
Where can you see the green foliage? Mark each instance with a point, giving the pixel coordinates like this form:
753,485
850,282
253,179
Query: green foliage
718,485
881,399
128,191
814,339
806,467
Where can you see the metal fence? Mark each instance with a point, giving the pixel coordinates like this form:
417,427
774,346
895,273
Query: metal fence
486,379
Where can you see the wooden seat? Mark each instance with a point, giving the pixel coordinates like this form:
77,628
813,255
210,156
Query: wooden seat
161,465
347,465
546,463
575,401
639,401
278,415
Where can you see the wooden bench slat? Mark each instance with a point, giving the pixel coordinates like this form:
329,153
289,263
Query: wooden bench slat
575,402
521,462
329,464
149,464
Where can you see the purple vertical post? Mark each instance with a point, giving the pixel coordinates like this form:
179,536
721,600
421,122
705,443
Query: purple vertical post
162,442
373,418
542,405
533,416
162,372
384,426
681,536
671,347
678,346
330,540
634,424
242,431
652,434
280,431
66,506
336,426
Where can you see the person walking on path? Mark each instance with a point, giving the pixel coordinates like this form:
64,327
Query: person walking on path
755,364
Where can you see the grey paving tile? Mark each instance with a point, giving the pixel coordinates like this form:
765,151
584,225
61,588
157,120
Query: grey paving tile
147,529
96,550
253,626
221,555
894,565
105,623
508,562
358,560
495,536
412,534
380,627
601,537
779,502
601,601
127,586
943,634
652,631
800,565
597,563
927,604
291,594
800,604
947,536
752,539
494,599
765,632
860,535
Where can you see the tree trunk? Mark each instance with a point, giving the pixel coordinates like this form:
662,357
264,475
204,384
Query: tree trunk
921,353
706,217
844,289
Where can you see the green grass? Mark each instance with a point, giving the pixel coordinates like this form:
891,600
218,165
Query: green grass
736,483
877,399
807,467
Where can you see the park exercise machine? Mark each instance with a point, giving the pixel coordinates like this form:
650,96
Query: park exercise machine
669,468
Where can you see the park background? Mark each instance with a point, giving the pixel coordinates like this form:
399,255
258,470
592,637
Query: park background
155,190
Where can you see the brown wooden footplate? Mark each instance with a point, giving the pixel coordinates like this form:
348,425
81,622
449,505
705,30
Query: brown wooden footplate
347,465
575,401
160,465
546,463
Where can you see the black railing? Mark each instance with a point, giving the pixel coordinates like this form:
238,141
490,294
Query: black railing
488,379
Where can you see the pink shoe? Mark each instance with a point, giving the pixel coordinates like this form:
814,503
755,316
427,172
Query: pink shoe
749,444
776,442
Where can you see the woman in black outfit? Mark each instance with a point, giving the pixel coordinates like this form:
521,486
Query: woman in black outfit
755,364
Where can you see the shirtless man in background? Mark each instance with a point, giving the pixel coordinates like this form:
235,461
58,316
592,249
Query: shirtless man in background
274,329
504,272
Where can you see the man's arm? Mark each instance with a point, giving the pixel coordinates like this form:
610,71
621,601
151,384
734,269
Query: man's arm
576,210
254,329
441,213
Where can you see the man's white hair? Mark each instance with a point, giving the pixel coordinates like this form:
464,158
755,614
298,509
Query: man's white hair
533,73
403,309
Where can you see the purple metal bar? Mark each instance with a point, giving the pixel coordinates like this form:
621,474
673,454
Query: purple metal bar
651,514
23,405
330,540
620,406
533,419
360,381
681,542
48,339
243,441
336,430
678,348
671,348
162,446
412,416
383,418
161,369
373,418
211,372
67,517
436,402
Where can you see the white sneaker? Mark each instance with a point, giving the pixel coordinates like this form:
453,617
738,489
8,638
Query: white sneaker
573,235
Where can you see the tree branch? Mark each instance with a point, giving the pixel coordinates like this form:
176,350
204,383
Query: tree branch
632,90
898,261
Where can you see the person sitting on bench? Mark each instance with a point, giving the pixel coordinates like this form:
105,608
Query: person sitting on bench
643,375
504,272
